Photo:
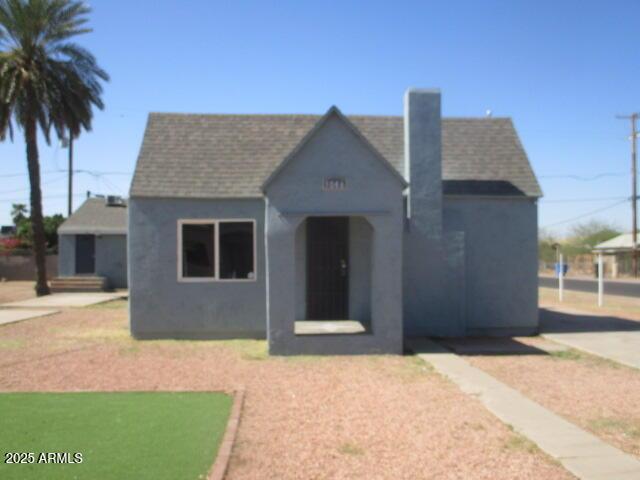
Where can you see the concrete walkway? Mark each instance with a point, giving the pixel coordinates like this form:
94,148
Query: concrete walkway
67,300
609,337
11,316
583,454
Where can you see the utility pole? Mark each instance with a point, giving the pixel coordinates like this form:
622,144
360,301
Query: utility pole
634,191
70,206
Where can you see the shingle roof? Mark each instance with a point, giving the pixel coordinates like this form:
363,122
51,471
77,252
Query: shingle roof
96,217
218,156
621,243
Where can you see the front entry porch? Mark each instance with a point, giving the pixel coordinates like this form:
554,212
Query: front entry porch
345,281
333,274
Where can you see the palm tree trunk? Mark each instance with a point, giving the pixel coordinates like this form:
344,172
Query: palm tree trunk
37,225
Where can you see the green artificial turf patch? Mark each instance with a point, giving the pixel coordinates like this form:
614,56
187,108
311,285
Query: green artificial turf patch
155,436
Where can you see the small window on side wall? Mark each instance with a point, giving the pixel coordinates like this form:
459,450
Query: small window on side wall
236,250
198,250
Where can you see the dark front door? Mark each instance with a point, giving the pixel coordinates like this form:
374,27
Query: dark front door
327,268
85,254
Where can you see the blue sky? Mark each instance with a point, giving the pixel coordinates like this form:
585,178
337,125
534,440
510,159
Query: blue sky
561,69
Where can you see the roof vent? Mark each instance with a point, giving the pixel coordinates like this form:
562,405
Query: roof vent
114,201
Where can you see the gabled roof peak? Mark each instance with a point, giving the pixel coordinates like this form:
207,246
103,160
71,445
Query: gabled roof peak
333,111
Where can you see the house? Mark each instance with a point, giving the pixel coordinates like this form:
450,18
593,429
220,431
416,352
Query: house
92,246
333,234
617,254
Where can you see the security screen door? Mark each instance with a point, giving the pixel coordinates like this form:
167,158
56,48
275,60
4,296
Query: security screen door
327,268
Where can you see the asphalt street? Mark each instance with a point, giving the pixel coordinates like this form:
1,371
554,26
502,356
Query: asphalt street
611,287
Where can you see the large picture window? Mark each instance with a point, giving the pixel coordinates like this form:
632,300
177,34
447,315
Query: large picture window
216,250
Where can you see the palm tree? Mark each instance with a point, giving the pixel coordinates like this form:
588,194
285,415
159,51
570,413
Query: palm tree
46,81
18,212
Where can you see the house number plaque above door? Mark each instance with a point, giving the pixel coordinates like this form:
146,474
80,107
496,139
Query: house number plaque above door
333,184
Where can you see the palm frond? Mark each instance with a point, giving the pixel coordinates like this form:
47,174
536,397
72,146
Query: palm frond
44,77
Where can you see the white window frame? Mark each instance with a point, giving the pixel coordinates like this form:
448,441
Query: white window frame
216,246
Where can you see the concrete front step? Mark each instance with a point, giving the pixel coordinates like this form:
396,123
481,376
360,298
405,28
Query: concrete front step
80,279
79,284
76,290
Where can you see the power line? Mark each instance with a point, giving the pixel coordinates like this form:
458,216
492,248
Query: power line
90,172
45,197
110,185
29,188
586,178
587,214
98,173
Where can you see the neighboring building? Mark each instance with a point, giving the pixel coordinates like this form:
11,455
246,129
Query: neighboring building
7,231
618,254
93,243
284,226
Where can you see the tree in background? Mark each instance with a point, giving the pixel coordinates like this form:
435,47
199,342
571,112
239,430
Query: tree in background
580,241
18,213
46,81
24,231
594,232
546,241
584,236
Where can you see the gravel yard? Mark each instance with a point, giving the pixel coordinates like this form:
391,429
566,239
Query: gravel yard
367,417
15,291
595,394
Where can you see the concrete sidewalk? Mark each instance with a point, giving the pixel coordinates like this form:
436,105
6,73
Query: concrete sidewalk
67,300
583,454
17,315
609,337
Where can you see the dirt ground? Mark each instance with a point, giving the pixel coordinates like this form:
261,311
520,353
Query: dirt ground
373,417
15,291
595,394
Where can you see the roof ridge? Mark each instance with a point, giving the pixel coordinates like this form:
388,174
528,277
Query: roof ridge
314,115
188,114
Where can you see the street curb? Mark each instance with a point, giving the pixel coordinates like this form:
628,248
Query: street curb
219,468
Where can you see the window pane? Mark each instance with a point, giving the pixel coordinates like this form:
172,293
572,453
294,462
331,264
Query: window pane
236,250
198,251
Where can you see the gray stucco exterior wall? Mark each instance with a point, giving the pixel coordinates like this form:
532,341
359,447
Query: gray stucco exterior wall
66,255
360,269
372,193
501,262
110,258
163,307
